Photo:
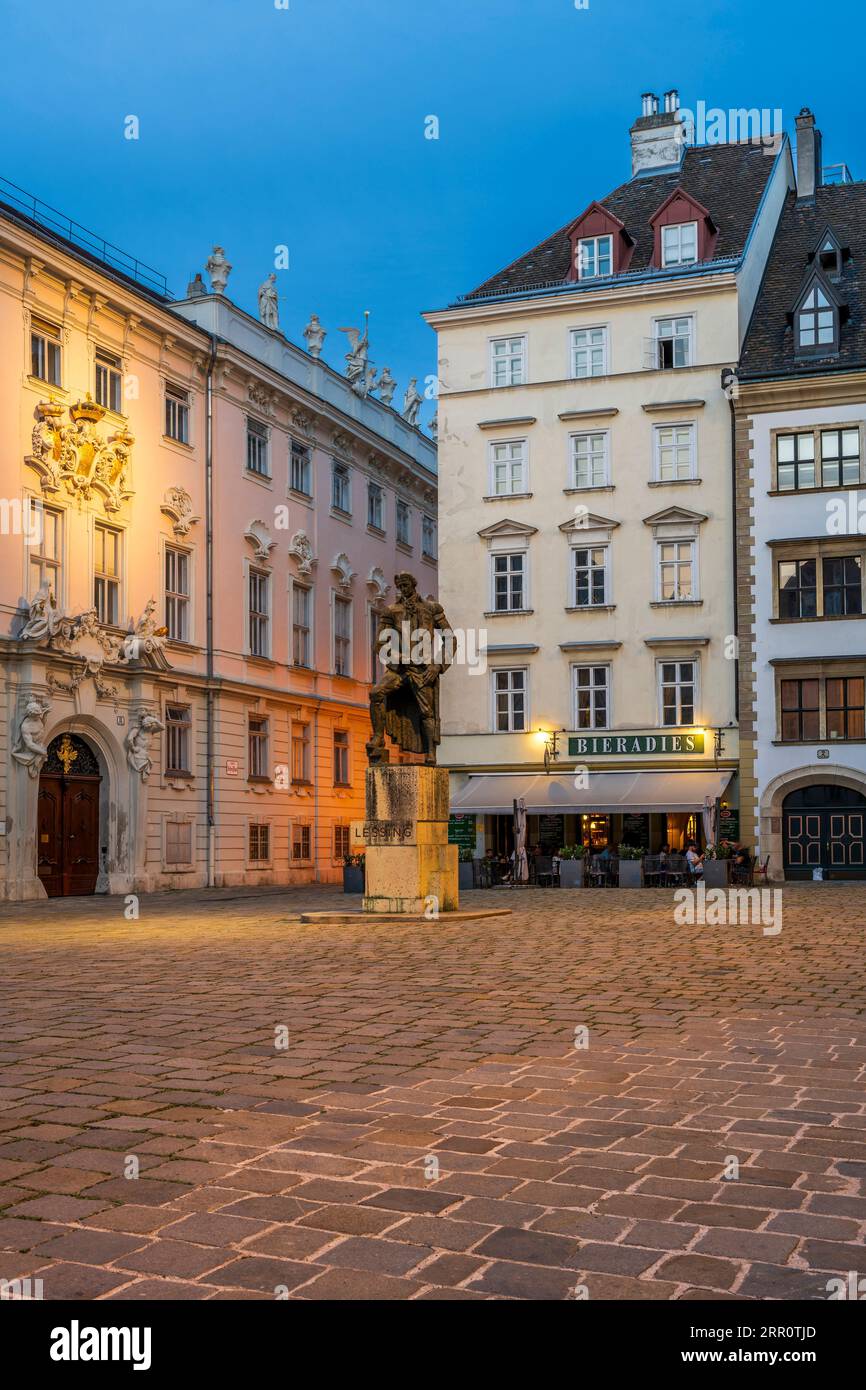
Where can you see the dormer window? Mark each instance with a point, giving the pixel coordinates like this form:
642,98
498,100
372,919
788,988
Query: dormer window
816,321
830,256
594,257
680,244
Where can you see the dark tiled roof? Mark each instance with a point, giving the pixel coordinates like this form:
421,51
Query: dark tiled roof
769,345
727,179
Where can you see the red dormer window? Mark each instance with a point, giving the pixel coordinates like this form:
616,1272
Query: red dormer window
683,232
600,245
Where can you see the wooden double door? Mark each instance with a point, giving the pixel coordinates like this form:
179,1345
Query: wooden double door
825,828
67,821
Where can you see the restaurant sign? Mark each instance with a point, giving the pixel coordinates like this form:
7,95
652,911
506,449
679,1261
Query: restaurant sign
632,745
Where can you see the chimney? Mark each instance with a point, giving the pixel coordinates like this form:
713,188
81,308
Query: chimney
657,137
808,156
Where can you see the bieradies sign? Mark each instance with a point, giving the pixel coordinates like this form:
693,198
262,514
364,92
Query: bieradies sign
633,745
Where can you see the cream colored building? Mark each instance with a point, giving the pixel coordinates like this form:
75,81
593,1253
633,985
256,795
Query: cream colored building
586,502
198,522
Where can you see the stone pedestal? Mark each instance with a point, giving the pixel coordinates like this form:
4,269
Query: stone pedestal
410,866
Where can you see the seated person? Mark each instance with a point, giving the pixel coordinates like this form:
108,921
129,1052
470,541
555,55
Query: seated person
694,860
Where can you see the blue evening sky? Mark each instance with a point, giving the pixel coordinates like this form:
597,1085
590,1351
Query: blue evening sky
261,126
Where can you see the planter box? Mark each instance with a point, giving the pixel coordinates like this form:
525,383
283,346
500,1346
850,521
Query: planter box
353,878
716,872
631,873
571,873
465,876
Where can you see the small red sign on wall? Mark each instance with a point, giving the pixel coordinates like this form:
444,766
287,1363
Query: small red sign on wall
232,767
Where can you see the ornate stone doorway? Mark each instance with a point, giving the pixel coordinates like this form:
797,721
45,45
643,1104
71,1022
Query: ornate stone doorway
67,820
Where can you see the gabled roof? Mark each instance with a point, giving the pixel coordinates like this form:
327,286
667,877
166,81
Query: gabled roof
769,348
728,180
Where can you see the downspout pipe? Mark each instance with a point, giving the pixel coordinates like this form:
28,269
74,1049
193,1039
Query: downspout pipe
209,568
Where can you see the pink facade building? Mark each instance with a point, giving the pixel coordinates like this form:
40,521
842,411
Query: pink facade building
199,523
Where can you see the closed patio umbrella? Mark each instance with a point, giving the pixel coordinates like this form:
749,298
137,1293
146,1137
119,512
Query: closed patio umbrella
709,817
521,864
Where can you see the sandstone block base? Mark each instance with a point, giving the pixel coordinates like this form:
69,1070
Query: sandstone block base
410,867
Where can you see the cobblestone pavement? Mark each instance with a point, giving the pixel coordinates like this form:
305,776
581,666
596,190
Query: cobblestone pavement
432,1131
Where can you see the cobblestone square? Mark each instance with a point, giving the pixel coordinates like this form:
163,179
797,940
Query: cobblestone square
431,1129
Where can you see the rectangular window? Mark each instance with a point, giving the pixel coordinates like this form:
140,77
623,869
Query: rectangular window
509,701
259,613
676,571
801,713
302,625
300,752
594,256
798,589
46,558
178,842
673,340
795,461
341,843
508,582
402,522
108,380
588,352
589,459
375,507
45,352
341,758
257,449
177,604
341,489
259,843
845,707
591,697
677,685
106,575
301,469
840,458
178,723
680,244
508,361
257,731
843,585
674,453
428,538
590,576
300,842
342,636
508,467
177,414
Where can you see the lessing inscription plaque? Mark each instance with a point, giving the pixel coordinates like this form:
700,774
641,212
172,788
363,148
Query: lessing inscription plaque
387,832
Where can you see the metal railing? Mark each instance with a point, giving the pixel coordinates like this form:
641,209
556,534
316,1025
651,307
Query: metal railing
836,173
82,237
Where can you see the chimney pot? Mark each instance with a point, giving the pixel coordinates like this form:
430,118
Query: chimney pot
647,100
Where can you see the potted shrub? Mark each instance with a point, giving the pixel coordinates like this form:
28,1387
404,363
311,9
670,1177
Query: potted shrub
631,866
465,868
571,866
717,866
353,873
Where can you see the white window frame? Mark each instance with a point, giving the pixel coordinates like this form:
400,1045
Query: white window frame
692,543
605,567
520,458
402,507
429,528
261,823
583,258
658,431
263,744
116,579
604,436
300,451
336,601
520,553
301,859
337,750
375,495
307,589
509,693
183,735
301,738
266,614
679,228
47,568
257,430
513,357
695,664
183,600
673,336
345,473
180,399
108,366
591,666
47,333
588,348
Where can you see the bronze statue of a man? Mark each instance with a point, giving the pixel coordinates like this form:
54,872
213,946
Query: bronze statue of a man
414,645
